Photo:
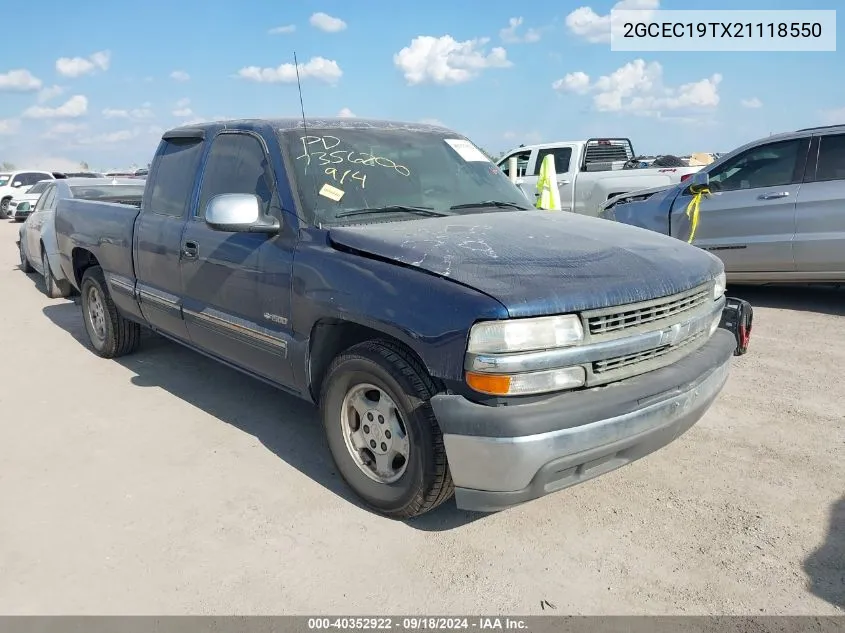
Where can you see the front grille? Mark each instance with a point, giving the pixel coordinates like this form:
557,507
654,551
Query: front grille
620,362
635,315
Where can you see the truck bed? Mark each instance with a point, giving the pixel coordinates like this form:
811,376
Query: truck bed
104,228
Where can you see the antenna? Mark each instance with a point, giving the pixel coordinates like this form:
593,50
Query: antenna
299,87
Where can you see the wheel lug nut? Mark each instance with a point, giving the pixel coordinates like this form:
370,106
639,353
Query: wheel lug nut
370,417
383,446
372,443
387,434
366,429
381,419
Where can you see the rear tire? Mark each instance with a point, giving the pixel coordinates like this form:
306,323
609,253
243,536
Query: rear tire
4,208
392,419
110,334
25,265
55,288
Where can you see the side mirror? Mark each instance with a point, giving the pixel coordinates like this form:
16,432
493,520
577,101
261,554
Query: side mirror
239,213
24,207
698,182
17,183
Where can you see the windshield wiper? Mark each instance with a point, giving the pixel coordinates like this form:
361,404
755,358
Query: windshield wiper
393,208
490,203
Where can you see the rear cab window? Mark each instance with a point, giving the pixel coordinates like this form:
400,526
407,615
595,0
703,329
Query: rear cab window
174,173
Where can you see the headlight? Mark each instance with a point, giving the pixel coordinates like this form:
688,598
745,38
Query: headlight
719,287
525,335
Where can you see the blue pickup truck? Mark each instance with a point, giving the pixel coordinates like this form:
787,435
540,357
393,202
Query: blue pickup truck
455,339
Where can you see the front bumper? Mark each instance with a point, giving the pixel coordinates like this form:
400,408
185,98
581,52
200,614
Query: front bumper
503,456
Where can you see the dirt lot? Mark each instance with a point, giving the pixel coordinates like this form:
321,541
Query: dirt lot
165,483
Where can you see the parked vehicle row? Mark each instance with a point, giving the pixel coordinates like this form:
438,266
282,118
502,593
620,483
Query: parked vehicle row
774,212
15,187
37,236
455,339
590,172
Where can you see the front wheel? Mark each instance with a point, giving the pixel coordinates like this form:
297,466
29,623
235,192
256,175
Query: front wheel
110,334
382,432
4,208
55,288
25,265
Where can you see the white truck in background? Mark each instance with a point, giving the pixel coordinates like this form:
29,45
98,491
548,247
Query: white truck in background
589,172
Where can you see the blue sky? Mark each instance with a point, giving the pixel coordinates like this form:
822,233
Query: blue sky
100,83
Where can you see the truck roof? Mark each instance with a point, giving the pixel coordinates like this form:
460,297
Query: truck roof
292,123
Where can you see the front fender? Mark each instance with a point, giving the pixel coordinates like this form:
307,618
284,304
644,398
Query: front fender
430,314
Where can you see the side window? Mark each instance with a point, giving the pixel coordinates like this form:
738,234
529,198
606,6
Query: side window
174,175
45,200
521,163
771,165
237,163
831,162
562,157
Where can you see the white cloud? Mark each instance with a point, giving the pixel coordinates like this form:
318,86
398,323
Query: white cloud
638,88
183,112
107,138
282,30
834,117
346,113
509,34
184,102
19,80
753,102
577,82
63,129
144,112
433,122
180,75
320,68
9,126
48,94
327,23
74,107
595,28
443,60
78,66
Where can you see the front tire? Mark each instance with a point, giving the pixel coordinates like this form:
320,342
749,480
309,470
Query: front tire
55,288
110,334
25,265
381,430
4,208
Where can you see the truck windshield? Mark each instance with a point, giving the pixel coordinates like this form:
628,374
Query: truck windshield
346,175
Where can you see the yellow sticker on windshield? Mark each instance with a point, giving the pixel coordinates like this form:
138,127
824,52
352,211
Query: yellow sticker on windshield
332,193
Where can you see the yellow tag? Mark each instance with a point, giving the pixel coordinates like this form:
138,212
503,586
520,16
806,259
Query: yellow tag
332,193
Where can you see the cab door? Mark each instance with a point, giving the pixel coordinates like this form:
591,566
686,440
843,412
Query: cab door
523,181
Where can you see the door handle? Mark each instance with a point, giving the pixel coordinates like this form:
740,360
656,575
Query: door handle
190,250
562,182
519,181
773,196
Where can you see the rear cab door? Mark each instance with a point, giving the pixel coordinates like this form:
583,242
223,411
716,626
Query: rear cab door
158,230
748,221
819,244
235,285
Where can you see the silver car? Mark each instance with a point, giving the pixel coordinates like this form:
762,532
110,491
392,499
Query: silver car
776,211
37,235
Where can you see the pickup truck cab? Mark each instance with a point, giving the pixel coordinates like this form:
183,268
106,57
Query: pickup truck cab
589,172
453,338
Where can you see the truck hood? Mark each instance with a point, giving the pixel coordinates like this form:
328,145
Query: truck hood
538,262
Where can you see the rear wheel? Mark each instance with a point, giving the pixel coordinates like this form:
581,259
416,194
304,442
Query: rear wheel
382,432
110,334
4,208
55,288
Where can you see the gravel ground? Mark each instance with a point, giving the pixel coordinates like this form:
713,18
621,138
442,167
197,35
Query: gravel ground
164,483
